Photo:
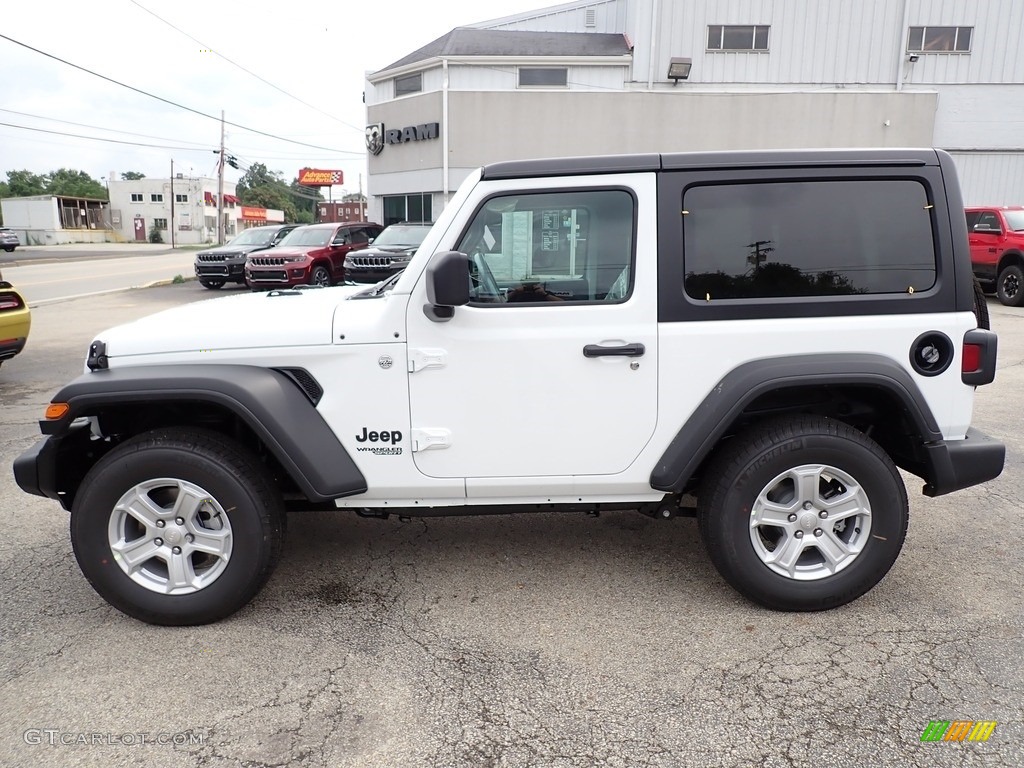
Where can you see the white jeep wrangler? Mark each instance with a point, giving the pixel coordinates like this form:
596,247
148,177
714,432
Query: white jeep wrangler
770,334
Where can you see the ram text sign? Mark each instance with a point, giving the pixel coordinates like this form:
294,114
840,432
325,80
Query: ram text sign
377,136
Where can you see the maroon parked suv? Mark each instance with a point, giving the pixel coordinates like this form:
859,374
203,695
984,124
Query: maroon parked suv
310,255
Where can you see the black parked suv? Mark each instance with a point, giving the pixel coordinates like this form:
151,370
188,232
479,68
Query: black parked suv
388,253
226,263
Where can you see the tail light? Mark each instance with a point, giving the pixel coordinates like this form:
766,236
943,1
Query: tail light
978,359
9,301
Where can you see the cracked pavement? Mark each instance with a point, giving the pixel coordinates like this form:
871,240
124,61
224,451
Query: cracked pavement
523,640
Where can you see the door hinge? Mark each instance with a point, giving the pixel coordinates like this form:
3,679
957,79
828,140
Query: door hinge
427,358
425,439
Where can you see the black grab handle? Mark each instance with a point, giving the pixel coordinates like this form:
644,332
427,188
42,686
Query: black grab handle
626,350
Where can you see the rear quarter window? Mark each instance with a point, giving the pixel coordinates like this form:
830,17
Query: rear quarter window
807,238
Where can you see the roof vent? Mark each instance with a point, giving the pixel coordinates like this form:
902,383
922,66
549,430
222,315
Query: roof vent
591,17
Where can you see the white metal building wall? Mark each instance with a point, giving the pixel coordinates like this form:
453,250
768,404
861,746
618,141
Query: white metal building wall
607,16
991,178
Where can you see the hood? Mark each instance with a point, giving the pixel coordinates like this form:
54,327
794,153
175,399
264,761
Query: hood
228,250
285,318
385,249
295,250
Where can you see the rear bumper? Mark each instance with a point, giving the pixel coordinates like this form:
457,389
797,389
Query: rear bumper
960,464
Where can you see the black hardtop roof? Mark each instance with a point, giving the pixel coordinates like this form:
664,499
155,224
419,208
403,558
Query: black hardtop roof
758,158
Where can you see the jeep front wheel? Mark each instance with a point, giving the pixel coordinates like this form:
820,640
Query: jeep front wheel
1010,286
803,514
320,276
177,527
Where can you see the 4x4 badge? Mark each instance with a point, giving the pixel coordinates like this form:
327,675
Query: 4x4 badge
385,361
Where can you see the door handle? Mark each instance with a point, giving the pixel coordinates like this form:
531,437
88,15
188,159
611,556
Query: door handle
626,350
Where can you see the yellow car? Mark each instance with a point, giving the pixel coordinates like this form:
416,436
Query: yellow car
15,320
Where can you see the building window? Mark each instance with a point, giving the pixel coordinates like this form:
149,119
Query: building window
552,77
181,198
408,84
732,37
408,208
156,198
558,247
763,240
160,223
940,40
136,197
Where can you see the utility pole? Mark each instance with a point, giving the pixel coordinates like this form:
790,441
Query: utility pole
171,223
220,185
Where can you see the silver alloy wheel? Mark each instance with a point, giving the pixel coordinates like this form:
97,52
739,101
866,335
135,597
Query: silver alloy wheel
810,522
321,277
170,536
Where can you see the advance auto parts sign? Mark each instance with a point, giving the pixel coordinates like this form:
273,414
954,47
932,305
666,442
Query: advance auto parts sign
377,136
314,177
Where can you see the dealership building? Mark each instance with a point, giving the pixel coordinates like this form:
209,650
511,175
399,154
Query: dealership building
624,76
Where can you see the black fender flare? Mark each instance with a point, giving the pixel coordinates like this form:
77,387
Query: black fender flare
745,383
268,401
1009,256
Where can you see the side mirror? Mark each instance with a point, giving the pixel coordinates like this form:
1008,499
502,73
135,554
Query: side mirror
447,285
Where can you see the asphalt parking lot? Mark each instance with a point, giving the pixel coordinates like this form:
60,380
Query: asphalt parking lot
525,640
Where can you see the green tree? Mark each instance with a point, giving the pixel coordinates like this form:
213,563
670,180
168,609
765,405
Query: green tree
25,184
305,200
72,183
132,176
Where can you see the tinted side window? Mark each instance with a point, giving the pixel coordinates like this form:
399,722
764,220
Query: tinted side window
567,246
807,238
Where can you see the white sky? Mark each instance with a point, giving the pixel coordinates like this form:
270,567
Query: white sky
315,50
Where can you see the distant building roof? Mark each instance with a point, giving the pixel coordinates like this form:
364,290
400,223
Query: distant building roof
466,41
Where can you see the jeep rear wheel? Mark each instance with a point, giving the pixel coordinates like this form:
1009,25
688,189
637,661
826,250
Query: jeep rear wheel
803,513
177,527
1010,286
320,276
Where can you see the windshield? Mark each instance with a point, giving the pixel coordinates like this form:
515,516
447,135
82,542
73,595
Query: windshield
401,234
307,236
254,237
1014,220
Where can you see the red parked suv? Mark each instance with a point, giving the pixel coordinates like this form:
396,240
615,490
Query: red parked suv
996,235
310,255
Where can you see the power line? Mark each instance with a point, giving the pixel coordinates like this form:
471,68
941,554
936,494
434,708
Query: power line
239,66
100,138
174,103
99,127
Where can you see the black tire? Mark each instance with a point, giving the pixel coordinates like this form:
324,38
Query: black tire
981,306
9,248
226,483
213,285
735,495
1010,286
320,276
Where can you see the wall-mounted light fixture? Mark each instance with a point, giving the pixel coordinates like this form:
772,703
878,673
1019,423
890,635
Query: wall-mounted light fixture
912,58
679,69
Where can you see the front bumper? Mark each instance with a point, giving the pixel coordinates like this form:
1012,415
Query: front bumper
222,271
958,464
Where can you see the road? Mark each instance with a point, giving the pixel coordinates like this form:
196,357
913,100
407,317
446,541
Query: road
45,275
520,640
